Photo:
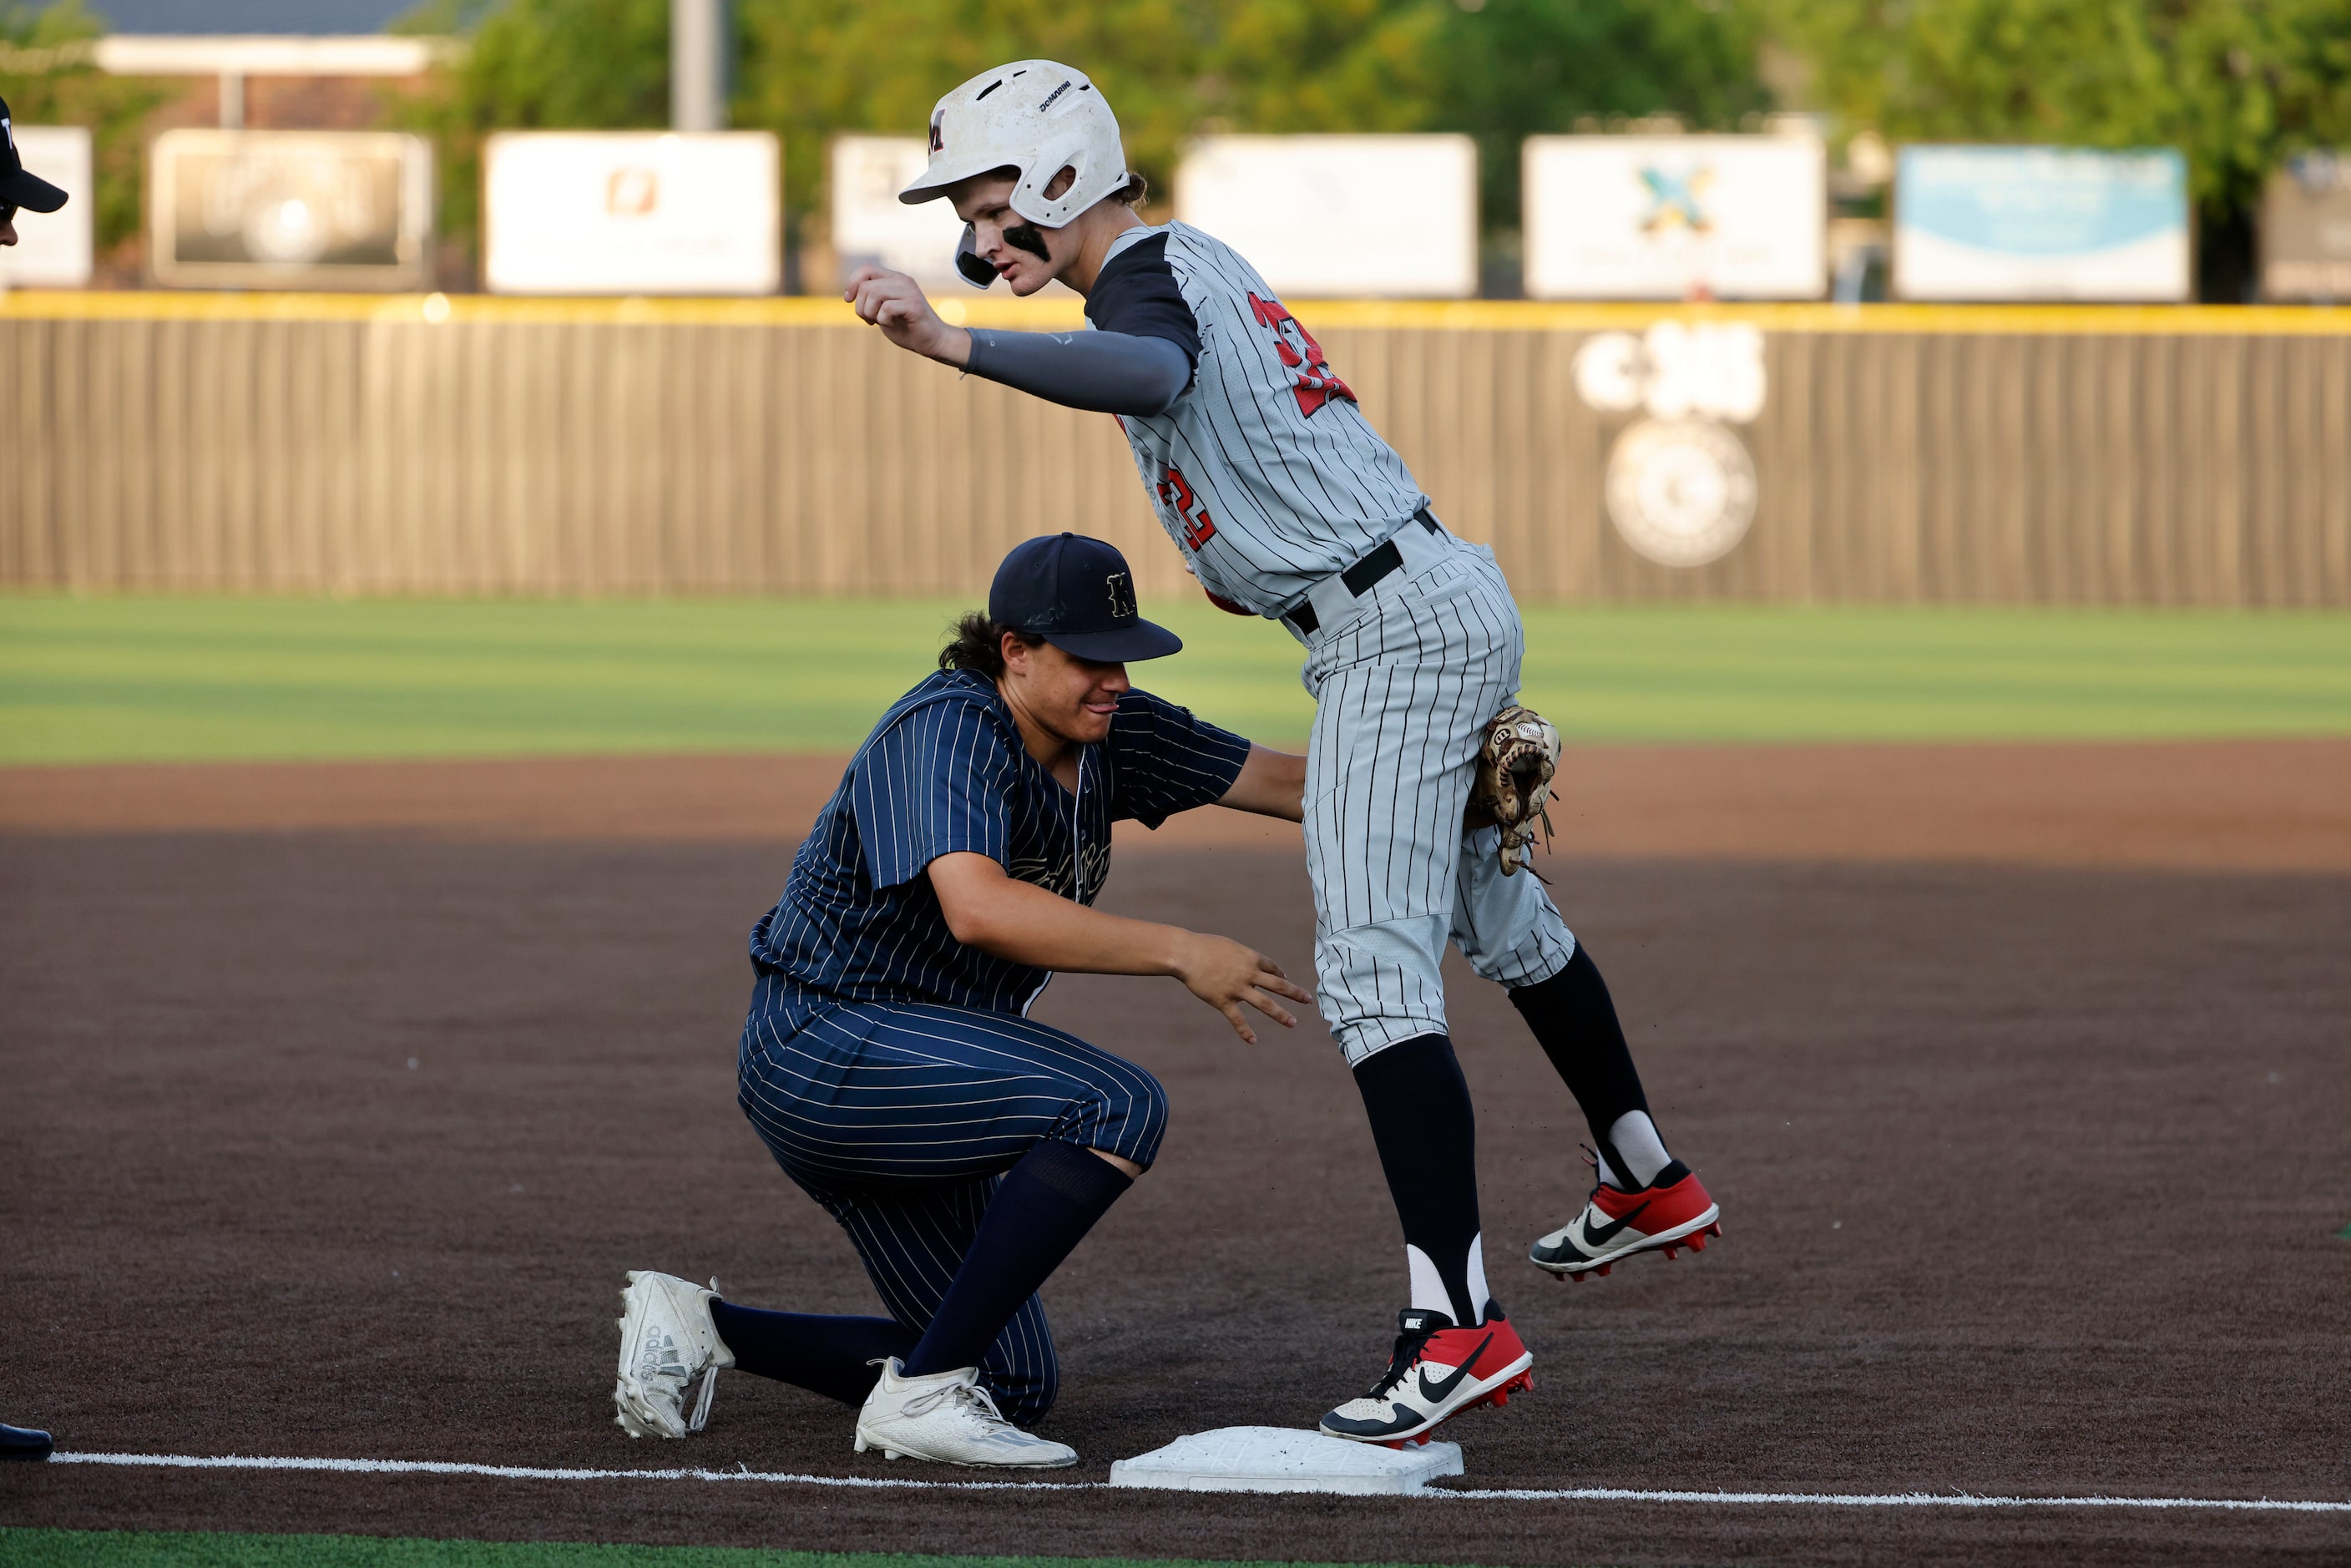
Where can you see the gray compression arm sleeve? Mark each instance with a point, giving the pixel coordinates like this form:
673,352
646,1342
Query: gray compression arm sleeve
1106,372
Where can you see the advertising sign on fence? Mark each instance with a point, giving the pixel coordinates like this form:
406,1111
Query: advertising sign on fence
2305,229
290,209
53,249
1665,217
1366,217
871,224
568,212
2040,222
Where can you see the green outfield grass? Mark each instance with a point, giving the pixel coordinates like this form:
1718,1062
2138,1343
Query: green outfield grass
150,679
160,1549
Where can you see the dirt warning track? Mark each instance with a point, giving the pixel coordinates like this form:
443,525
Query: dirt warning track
2032,1179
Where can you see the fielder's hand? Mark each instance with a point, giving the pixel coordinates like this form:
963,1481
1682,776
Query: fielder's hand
1224,974
896,303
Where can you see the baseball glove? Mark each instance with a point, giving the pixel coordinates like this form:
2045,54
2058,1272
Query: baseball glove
1515,765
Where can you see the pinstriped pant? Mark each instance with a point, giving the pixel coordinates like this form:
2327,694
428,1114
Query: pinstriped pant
1403,690
898,1119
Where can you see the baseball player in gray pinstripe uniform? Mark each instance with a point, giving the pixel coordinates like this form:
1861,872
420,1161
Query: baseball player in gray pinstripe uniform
1287,505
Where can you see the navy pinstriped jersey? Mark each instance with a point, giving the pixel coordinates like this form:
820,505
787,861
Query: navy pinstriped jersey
1264,473
946,771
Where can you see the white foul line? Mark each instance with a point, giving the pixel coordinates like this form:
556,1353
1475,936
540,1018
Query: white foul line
1500,1494
1886,1500
533,1472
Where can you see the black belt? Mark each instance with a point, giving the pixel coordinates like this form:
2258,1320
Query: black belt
1360,577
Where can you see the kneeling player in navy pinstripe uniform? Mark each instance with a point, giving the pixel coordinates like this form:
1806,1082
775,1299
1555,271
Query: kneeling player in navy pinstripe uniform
889,1062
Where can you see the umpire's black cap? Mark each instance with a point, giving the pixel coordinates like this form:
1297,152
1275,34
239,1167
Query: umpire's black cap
1077,594
19,189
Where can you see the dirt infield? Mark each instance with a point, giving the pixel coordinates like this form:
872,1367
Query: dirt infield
2279,805
335,1143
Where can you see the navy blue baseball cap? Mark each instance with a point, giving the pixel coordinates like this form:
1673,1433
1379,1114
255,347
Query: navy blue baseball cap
17,188
1077,594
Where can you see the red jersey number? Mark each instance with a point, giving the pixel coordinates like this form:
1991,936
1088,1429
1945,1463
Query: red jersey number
1176,494
1317,384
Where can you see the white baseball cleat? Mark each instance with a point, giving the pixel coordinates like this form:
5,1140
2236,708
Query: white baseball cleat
667,1341
949,1417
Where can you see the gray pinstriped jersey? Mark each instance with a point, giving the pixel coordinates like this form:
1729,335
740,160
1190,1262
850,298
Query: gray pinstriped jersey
1270,479
1265,473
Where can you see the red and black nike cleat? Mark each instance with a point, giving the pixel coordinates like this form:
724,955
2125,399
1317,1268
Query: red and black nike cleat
1670,1213
1436,1372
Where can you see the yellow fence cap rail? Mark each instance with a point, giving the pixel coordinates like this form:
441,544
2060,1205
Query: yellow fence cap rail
1063,311
436,310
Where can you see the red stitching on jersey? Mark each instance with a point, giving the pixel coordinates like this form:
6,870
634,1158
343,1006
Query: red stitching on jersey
1318,383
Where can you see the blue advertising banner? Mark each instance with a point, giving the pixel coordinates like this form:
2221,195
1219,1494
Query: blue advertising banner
2040,222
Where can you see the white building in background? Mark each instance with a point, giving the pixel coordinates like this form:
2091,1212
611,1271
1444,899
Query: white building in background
567,212
1671,217
1341,217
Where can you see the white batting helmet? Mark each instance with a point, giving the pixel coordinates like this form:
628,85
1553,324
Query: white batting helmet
1035,116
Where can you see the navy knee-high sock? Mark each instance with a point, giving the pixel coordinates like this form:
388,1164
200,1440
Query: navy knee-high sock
825,1355
1574,1020
1040,1213
1428,1137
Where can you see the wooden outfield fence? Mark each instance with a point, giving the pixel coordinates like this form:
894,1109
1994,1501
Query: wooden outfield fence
470,447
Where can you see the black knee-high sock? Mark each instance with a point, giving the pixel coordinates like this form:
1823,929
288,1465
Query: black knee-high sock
1041,1212
1428,1137
823,1354
1575,1022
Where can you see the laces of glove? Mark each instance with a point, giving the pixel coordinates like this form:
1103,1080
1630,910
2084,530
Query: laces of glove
1409,1343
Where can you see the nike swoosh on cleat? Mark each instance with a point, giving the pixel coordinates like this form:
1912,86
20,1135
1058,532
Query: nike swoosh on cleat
1600,1236
1435,1392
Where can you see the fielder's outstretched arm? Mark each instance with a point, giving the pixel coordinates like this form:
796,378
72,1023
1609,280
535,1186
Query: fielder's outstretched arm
1271,783
988,910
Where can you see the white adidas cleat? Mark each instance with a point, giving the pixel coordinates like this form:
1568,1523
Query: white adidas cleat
667,1341
949,1417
